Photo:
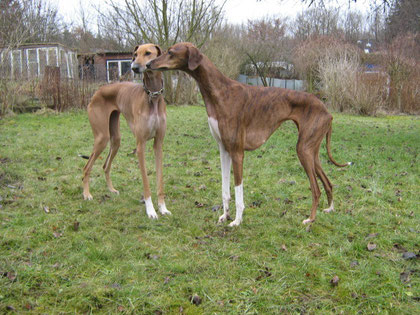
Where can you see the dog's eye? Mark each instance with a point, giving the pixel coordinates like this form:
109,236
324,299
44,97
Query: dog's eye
147,53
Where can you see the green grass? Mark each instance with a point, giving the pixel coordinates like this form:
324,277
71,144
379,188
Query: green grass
119,261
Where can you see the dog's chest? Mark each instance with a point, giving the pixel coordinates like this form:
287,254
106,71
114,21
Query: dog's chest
153,123
214,129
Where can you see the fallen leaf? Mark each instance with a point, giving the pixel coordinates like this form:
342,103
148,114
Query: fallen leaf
371,246
334,281
405,276
11,276
215,208
28,306
202,187
372,235
167,279
283,247
116,286
196,300
57,234
76,226
121,308
354,264
409,255
256,204
287,201
264,273
199,204
46,209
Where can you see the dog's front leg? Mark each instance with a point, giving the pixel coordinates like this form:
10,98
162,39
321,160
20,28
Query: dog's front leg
150,210
226,162
238,159
158,148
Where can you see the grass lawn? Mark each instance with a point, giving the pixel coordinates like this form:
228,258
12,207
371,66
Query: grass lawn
60,254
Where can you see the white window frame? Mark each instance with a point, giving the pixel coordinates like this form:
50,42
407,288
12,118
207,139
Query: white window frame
119,61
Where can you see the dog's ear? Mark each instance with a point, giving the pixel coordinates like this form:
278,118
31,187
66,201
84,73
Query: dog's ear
194,58
158,50
135,49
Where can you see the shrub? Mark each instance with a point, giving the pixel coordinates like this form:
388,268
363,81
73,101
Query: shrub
347,87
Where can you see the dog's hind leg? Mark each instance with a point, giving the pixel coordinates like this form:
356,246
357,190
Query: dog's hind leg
115,137
99,122
326,183
305,153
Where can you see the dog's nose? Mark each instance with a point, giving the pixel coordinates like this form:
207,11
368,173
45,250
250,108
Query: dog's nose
135,68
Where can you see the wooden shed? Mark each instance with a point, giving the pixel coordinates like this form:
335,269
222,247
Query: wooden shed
105,66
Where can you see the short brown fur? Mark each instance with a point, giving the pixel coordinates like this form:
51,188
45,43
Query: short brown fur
145,116
248,115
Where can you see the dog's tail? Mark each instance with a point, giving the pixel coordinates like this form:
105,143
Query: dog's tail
83,156
329,149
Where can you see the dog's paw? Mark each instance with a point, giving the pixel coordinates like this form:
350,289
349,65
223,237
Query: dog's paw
307,221
87,196
163,210
236,222
152,215
330,208
114,191
223,218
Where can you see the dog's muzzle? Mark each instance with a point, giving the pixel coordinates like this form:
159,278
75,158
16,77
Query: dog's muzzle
136,68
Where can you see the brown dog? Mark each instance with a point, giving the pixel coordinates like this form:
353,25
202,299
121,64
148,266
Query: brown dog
145,112
243,117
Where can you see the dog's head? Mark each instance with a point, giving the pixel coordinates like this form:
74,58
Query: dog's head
142,55
181,56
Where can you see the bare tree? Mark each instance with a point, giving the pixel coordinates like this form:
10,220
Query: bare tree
266,47
404,18
317,21
164,22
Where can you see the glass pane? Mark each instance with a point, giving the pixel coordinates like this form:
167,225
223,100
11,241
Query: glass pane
125,67
112,70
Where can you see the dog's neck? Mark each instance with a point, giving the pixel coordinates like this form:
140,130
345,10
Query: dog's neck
212,84
152,81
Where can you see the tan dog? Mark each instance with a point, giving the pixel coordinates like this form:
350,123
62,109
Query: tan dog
243,117
145,112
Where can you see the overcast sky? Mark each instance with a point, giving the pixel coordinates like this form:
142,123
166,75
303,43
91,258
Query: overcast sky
236,11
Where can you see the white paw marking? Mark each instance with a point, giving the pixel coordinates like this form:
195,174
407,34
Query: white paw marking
114,191
330,209
307,221
87,197
150,210
163,210
224,217
236,222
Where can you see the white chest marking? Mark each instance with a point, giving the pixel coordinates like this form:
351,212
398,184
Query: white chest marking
214,129
152,125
